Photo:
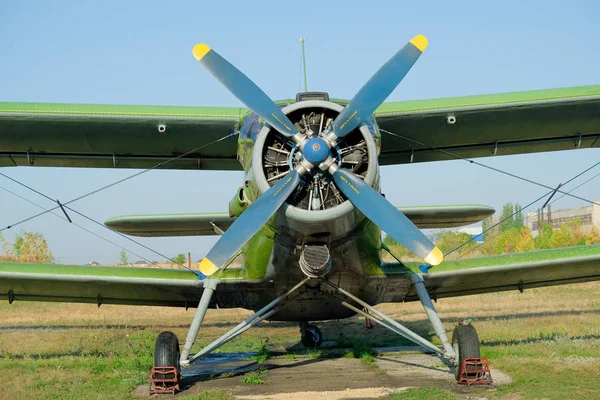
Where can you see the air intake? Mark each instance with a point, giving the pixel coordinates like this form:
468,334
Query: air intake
315,260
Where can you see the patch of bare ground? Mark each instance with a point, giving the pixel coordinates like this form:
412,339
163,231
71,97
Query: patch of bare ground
326,378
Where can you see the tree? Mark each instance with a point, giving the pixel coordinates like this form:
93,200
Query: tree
542,240
30,247
525,242
507,217
507,241
592,237
124,260
180,259
486,224
450,240
518,219
397,249
568,234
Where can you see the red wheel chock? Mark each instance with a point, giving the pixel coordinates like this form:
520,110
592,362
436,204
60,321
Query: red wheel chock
475,371
160,381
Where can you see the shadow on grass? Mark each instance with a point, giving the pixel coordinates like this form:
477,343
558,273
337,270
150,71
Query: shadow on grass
442,361
225,373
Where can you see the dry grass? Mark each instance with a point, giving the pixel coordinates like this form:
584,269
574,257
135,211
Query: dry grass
542,337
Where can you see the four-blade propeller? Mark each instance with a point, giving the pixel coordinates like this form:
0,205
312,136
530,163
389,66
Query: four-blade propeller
317,153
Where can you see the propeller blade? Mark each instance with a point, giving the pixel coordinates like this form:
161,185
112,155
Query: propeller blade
244,89
379,87
248,223
387,217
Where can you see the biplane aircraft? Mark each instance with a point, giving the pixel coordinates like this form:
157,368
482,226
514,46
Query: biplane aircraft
302,238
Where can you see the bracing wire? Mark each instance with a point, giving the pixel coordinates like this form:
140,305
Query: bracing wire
487,166
116,182
509,174
80,226
518,211
65,205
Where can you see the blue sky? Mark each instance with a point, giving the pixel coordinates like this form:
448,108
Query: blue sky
139,52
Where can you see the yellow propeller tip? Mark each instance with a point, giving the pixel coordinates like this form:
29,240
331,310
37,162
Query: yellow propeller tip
435,257
207,267
420,42
200,51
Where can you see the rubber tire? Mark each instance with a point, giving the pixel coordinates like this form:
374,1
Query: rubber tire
466,343
166,352
312,338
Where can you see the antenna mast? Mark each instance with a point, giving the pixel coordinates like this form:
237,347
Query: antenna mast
304,64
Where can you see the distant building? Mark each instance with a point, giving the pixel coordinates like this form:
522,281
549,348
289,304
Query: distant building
140,263
93,263
589,216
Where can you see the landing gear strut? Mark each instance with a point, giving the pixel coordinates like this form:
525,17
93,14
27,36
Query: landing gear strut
311,335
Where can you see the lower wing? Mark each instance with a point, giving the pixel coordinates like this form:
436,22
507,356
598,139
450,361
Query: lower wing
516,271
113,285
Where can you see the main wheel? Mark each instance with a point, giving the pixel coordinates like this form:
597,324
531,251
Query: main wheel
312,337
166,354
465,343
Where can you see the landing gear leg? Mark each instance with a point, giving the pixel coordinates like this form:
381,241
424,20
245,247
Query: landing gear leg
166,374
433,316
311,335
267,311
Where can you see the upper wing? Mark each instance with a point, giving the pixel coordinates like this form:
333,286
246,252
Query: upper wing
109,136
517,271
115,285
103,136
207,224
487,125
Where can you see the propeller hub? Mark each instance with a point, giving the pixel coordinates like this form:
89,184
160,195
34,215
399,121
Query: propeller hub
316,150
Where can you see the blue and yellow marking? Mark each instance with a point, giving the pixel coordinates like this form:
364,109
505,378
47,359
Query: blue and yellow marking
282,186
347,182
207,267
348,120
420,42
200,51
281,122
435,256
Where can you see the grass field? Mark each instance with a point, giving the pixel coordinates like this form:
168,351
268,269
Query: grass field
547,340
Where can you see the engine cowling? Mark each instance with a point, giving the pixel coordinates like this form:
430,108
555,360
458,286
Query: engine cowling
317,205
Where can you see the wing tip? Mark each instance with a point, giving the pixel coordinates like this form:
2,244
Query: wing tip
420,42
200,51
